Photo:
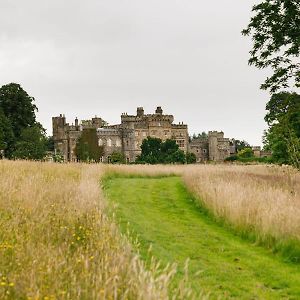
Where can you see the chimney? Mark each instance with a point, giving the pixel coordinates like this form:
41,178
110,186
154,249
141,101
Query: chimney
158,110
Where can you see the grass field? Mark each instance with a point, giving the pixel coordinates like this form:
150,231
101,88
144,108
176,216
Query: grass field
57,240
257,201
57,243
164,215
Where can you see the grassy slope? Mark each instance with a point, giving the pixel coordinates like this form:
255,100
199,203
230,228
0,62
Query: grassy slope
163,214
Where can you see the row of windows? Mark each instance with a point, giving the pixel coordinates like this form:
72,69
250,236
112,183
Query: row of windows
180,143
154,132
101,142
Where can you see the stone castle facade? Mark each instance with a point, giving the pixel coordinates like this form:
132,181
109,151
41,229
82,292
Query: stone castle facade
127,137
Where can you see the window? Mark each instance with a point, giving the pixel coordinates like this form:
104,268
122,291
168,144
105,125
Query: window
180,143
109,143
118,143
136,133
100,142
144,134
166,132
204,150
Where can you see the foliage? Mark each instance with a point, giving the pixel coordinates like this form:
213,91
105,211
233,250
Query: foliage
231,158
32,143
283,135
18,107
87,148
20,135
202,135
117,158
6,133
239,144
190,158
50,143
155,151
275,30
245,153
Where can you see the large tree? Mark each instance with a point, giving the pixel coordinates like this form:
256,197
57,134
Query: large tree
18,107
283,135
6,133
32,143
275,31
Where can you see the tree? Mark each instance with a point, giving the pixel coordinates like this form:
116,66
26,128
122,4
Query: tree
275,30
283,135
117,158
18,107
245,153
6,134
87,148
202,135
151,150
155,151
239,145
32,143
190,158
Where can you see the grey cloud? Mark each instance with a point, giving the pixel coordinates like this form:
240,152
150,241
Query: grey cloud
104,57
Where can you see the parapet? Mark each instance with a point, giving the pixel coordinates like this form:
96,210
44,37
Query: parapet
179,126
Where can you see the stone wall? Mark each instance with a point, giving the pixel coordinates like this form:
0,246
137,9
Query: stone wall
127,137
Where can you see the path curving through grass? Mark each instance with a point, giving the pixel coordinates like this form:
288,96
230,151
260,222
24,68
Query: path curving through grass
163,214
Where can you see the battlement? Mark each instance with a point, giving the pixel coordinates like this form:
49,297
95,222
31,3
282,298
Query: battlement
216,134
129,134
179,126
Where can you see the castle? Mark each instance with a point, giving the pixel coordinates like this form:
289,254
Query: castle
128,136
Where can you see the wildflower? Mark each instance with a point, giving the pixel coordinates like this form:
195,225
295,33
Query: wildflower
2,283
11,284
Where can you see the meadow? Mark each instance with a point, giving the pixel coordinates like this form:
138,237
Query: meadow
61,237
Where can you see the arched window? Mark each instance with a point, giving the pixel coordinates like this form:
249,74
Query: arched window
109,143
100,142
118,143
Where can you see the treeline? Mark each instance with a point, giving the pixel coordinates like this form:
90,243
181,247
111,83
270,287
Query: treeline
21,136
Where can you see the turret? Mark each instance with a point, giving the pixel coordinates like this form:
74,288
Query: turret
158,110
76,124
140,111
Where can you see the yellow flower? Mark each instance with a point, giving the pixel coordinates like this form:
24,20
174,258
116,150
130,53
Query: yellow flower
2,283
11,284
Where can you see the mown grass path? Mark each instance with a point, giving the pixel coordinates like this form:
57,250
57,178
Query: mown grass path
164,214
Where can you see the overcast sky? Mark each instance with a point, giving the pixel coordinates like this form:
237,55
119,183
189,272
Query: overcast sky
105,57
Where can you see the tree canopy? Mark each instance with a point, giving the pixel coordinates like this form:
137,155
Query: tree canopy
18,107
32,143
20,135
155,151
6,133
283,135
275,31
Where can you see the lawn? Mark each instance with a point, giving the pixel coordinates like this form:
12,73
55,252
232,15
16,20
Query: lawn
163,214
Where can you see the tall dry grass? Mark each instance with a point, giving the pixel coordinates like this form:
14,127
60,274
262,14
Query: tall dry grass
263,200
57,243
